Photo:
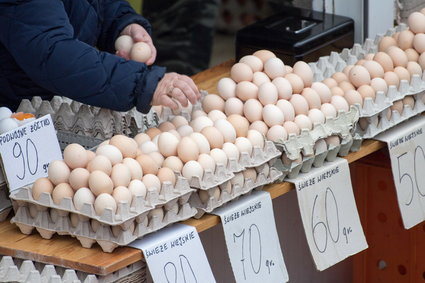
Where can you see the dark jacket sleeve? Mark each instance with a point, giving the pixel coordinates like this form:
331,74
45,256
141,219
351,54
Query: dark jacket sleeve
116,15
39,36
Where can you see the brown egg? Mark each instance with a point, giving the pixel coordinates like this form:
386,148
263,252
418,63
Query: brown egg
291,127
264,55
397,106
241,72
416,22
100,183
402,73
58,172
104,201
212,102
259,126
412,54
253,62
359,76
157,157
375,69
360,62
296,82
166,126
101,163
234,105
90,155
284,88
398,56
240,123
267,93
166,175
353,97
366,91
347,70
340,77
143,137
122,194
414,68
167,144
323,91
75,156
121,175
61,191
385,61
174,163
313,99
259,78
152,132
252,110
134,167
246,90
419,42
79,178
274,67
214,137
300,104
126,145
405,39
187,149
386,42
409,100
41,185
152,181
336,90
177,122
396,36
330,82
379,84
303,70
391,78
149,166
346,86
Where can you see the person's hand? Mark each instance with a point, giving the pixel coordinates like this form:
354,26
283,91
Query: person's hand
138,33
173,88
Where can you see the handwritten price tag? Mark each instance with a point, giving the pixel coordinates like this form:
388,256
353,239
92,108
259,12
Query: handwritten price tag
406,144
175,255
251,239
329,213
27,151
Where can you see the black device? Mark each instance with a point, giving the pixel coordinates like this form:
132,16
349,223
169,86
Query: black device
297,34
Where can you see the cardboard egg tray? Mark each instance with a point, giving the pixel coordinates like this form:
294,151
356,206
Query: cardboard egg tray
265,175
125,211
75,117
5,204
211,179
19,270
48,221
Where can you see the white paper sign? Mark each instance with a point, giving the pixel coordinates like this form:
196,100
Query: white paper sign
175,254
406,144
329,213
26,151
251,239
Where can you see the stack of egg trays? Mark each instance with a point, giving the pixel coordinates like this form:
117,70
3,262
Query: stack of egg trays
75,117
5,204
261,159
18,270
48,218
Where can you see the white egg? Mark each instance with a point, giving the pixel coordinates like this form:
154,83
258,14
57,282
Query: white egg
7,124
191,169
244,145
5,113
219,156
226,129
111,152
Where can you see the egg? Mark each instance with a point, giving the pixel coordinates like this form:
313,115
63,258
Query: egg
214,136
267,93
79,178
58,172
312,98
296,82
345,86
151,181
250,174
396,36
142,137
402,73
405,39
409,100
259,78
244,145
339,103
353,97
303,122
374,68
99,183
252,110
75,156
83,195
241,72
134,167
303,70
240,124
259,126
198,113
336,90
391,78
291,127
201,141
316,116
264,55
277,133
157,157
366,91
100,162
187,149
212,102
167,144
367,57
284,88
359,75
386,42
174,163
330,82
165,174
201,122
90,155
333,140
111,152
384,60
421,60
204,196
397,106
153,132
256,138
148,164
41,185
207,162
379,84
253,62
157,214
5,113
274,67
7,124
329,110
61,191
246,90
121,175
192,169
127,146
104,201
323,91
287,109
233,106
137,188
231,151
300,104
215,115
140,52
226,129
340,77
416,22
226,88
360,62
412,54
238,179
398,56
149,146
177,121
219,156
184,130
272,115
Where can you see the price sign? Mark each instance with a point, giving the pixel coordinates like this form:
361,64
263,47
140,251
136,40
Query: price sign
26,151
329,213
251,239
406,144
175,255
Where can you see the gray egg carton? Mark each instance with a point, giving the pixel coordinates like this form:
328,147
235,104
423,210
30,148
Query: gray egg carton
236,190
48,221
167,113
211,179
5,203
75,117
21,270
125,211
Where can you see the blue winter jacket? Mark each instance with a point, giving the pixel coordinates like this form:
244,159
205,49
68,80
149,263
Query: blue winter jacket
66,48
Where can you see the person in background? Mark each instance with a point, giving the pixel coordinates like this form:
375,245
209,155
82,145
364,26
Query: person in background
66,48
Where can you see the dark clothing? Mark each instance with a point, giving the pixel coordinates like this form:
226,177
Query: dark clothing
46,49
